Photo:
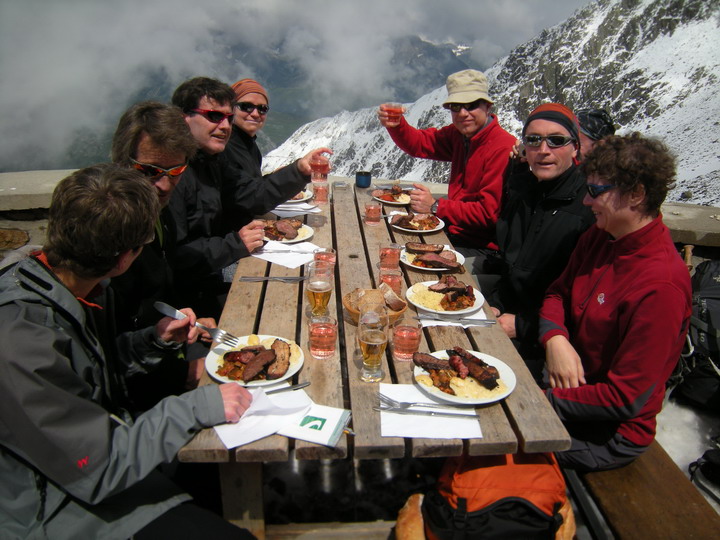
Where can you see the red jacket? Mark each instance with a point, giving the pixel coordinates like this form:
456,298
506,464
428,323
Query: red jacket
476,176
625,306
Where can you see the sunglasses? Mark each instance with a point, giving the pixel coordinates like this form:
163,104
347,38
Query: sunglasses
595,190
215,117
247,107
553,141
153,172
457,107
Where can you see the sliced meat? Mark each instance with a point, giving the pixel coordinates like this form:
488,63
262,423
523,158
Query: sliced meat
458,364
403,220
437,261
428,361
448,255
448,284
294,222
257,364
419,247
282,359
286,229
484,373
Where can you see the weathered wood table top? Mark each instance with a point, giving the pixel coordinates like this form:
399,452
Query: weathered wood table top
523,421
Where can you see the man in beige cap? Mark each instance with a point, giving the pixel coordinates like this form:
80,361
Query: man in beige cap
478,150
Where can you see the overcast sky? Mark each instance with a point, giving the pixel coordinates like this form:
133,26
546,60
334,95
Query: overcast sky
69,67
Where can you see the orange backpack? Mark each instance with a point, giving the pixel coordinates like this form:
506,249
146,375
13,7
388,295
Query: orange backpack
508,496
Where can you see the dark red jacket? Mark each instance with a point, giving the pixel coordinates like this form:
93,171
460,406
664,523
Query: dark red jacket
625,306
476,175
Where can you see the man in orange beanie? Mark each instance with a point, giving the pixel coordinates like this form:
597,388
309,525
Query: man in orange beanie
540,222
247,192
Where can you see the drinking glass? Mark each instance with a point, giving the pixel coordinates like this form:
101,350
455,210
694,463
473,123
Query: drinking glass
394,111
319,167
372,337
325,254
372,213
319,286
322,334
392,276
390,256
406,335
321,188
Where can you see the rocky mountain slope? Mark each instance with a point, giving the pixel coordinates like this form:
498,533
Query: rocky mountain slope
653,64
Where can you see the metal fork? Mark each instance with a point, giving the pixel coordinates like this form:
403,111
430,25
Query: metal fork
218,335
406,405
288,279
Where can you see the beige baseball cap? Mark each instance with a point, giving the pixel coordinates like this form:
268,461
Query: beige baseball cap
467,86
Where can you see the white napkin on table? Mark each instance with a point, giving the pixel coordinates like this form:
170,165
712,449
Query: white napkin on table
297,254
295,209
422,425
266,416
479,315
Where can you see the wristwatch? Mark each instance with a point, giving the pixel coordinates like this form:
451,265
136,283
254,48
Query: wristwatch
434,207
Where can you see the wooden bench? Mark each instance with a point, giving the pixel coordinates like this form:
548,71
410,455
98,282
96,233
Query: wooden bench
650,498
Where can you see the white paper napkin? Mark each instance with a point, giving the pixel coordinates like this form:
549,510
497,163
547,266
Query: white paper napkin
266,415
292,256
422,425
296,209
479,315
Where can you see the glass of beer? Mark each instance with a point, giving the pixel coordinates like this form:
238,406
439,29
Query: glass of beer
406,336
373,340
319,286
322,335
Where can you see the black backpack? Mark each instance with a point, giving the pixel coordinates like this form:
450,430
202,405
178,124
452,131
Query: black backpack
699,369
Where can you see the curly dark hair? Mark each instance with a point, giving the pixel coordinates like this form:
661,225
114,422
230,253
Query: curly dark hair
97,213
187,96
633,160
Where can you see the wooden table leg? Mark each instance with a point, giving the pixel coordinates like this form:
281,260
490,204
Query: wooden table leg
242,496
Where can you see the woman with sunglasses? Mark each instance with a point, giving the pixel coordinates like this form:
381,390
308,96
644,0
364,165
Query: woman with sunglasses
614,323
540,223
248,192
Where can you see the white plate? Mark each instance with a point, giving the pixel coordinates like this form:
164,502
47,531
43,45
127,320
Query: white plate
307,195
427,231
214,360
393,203
404,259
507,376
410,293
304,233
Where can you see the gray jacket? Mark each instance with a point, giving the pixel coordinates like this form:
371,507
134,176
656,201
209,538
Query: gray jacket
73,463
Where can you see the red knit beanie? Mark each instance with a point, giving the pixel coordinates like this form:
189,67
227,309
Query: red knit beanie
555,112
248,86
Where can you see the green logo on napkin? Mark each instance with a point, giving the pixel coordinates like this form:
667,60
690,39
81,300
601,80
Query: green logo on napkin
313,422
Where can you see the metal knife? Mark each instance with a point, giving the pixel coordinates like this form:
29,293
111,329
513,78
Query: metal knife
168,310
425,413
287,388
478,322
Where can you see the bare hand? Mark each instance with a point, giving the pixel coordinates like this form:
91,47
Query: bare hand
210,323
252,235
303,164
169,329
384,117
421,200
518,152
195,371
507,323
563,364
236,401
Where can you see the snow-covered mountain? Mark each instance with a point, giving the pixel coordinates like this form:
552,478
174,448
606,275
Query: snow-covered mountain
653,64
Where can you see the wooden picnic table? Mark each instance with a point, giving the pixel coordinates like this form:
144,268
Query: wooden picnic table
523,421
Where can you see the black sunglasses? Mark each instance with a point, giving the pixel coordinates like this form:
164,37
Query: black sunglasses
457,107
553,141
247,107
215,117
153,172
595,190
